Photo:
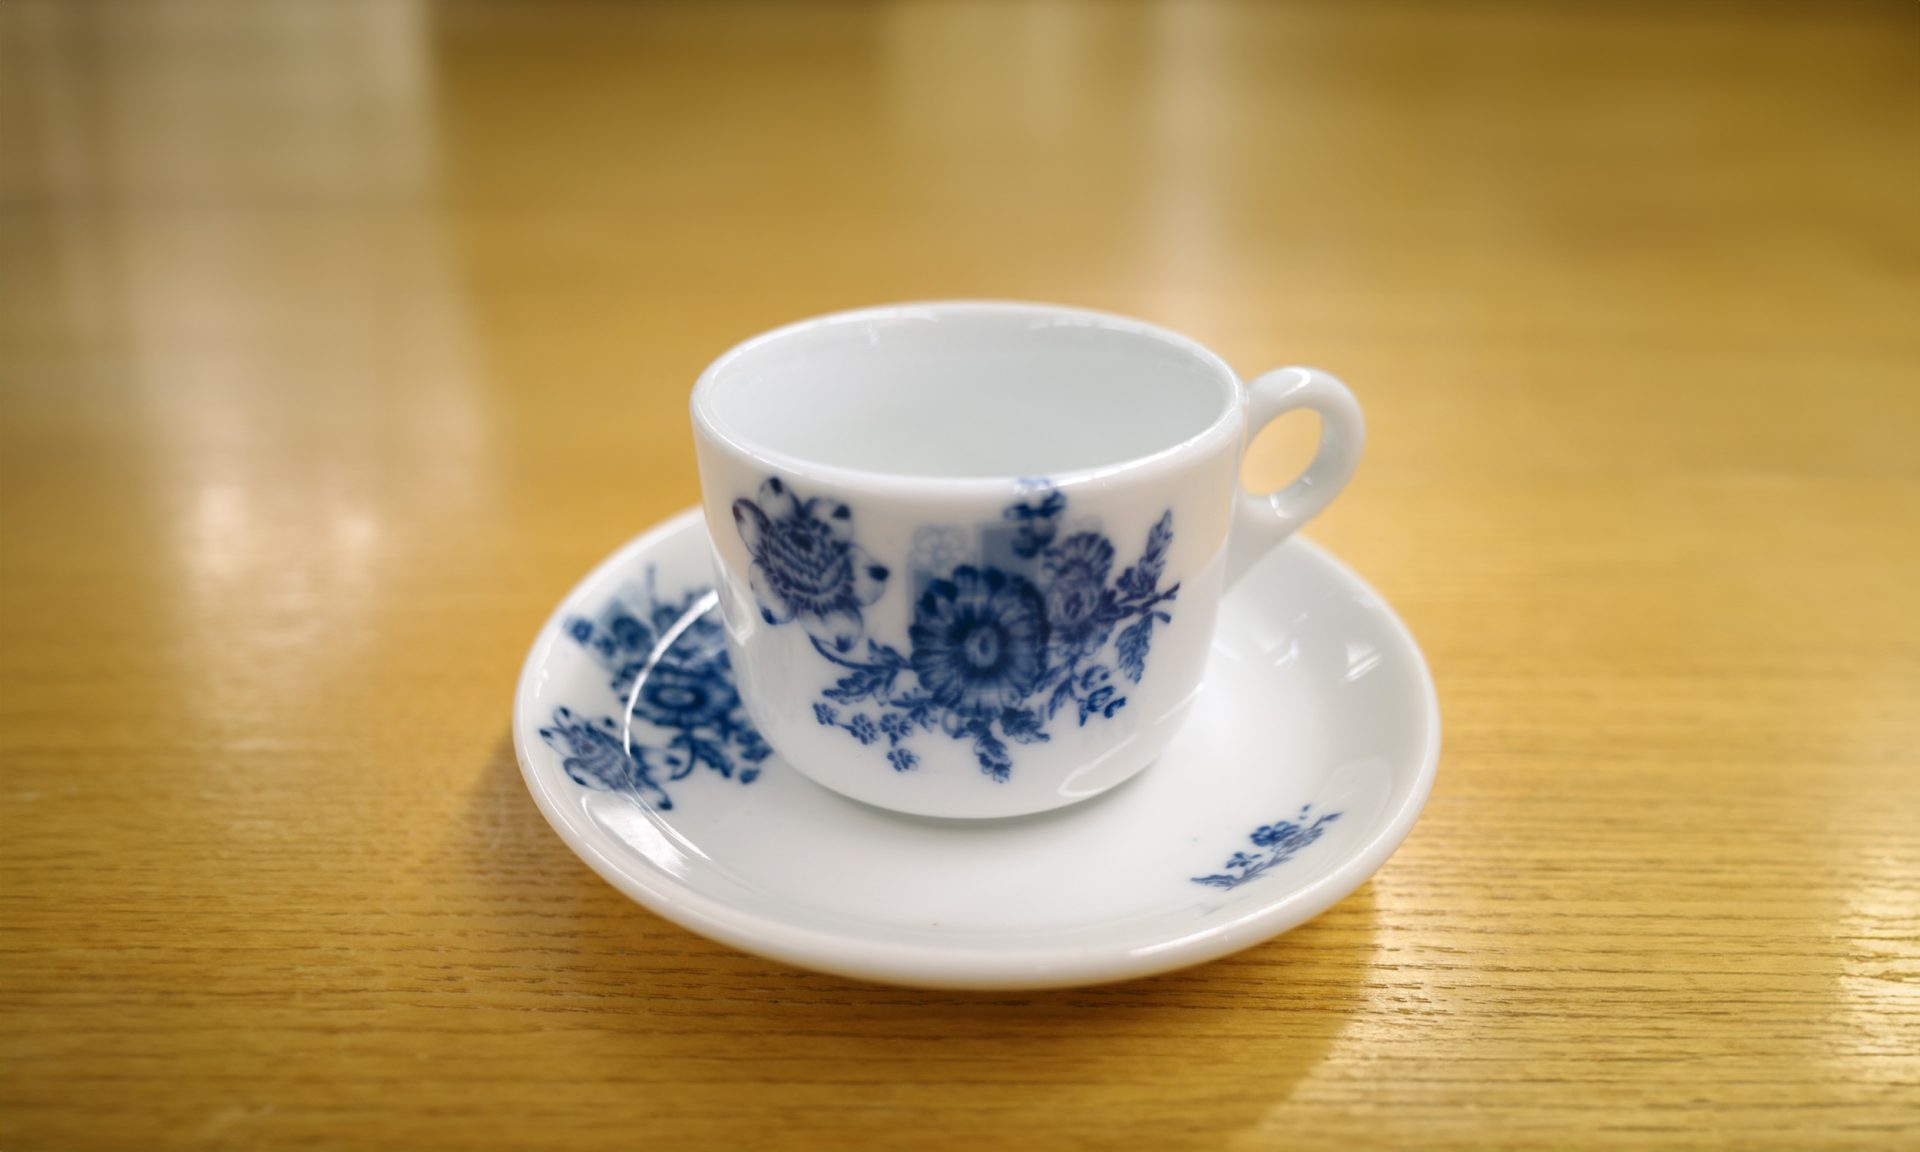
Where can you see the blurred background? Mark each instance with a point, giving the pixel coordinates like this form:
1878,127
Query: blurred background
338,339
375,259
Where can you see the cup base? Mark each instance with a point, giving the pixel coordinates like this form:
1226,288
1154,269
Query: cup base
989,801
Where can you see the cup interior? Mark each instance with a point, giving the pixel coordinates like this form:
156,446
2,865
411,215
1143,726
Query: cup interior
966,390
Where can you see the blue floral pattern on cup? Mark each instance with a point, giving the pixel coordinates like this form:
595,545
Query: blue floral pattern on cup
806,566
687,697
1277,842
996,648
954,680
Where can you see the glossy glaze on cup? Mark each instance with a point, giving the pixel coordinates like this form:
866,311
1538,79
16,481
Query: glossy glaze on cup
969,555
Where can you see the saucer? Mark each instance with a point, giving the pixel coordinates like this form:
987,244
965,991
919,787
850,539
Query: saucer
1308,756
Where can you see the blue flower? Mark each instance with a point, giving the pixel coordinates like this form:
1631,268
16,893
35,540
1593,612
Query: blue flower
593,754
1267,835
805,563
677,697
1283,840
688,691
1076,579
632,635
979,641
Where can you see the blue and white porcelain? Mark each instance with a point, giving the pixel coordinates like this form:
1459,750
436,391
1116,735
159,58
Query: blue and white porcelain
1310,751
969,556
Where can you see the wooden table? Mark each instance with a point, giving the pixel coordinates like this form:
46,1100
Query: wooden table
338,340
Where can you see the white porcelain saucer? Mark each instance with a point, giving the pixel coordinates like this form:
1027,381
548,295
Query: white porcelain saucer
1308,757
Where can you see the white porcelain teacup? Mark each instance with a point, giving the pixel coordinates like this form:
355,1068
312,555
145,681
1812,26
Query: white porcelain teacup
969,554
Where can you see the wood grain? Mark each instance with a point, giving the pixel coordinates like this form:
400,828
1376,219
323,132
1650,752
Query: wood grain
337,340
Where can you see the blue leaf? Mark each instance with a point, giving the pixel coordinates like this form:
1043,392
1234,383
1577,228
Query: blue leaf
1099,700
991,753
865,683
1132,646
1023,726
1159,539
715,756
1061,695
1143,579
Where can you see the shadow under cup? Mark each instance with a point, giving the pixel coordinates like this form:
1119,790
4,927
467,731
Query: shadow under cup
968,555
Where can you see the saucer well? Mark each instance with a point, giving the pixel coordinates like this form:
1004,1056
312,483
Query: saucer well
1309,755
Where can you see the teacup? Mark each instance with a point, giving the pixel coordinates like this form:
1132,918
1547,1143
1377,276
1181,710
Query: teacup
969,554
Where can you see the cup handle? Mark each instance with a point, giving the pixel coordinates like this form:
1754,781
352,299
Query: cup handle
1262,522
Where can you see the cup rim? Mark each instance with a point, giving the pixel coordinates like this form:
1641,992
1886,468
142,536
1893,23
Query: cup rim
1225,426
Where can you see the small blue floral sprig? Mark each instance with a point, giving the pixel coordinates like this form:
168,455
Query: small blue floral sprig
1278,842
1037,520
688,697
993,654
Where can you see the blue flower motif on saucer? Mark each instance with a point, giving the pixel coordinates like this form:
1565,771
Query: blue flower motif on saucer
806,566
1277,842
997,646
674,696
686,701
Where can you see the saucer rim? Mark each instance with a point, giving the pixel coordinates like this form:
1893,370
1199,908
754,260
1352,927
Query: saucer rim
957,966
